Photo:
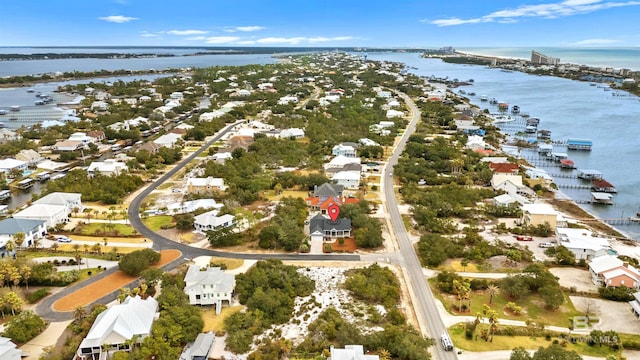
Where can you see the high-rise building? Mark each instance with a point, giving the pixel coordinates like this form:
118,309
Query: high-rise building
541,59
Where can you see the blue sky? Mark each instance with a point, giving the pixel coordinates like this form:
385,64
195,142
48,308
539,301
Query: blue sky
372,23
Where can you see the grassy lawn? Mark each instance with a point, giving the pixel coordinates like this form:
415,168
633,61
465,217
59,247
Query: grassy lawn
213,322
271,194
105,249
84,273
456,266
99,228
155,223
110,239
532,305
230,263
502,342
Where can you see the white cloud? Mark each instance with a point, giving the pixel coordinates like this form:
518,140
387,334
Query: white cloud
244,28
149,34
548,11
298,40
590,42
196,38
186,32
221,39
117,19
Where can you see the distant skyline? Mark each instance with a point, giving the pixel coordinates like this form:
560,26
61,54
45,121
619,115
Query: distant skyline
312,23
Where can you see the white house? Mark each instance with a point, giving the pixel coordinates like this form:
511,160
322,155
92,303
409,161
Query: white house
51,214
344,150
8,165
509,183
582,243
200,348
368,142
340,161
116,326
32,229
221,157
475,142
8,350
108,167
292,133
193,205
287,99
348,179
391,113
68,145
209,286
82,137
608,270
210,221
71,201
351,352
168,140
208,116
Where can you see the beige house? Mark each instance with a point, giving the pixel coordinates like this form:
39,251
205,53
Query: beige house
205,185
539,214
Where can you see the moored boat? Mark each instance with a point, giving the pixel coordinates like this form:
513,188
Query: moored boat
515,109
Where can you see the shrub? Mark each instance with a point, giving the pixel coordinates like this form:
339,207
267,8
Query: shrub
134,263
24,327
37,295
619,293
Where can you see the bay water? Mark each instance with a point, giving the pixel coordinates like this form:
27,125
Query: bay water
570,109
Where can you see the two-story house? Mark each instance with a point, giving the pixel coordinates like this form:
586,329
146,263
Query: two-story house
209,286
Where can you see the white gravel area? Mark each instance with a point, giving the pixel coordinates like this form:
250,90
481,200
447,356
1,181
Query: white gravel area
571,277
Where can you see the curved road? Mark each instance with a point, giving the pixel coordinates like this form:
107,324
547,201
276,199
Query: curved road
423,299
160,242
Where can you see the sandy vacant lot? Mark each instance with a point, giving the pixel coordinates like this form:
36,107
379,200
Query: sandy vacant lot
569,277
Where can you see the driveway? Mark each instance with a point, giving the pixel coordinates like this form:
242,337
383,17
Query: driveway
571,277
613,315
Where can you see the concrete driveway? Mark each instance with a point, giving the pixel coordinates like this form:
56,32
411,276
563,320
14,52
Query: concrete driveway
613,315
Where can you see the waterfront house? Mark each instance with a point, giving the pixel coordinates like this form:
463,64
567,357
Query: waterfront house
200,348
109,167
211,221
8,350
539,214
509,183
115,328
12,165
32,229
72,201
351,352
504,168
52,215
68,145
601,198
323,229
608,270
209,286
582,243
205,185
31,157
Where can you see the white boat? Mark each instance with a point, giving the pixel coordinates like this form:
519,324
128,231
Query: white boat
484,98
30,90
501,118
15,108
3,112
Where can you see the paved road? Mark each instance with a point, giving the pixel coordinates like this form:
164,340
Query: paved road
423,299
160,242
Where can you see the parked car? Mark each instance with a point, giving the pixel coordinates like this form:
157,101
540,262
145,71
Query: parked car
63,239
523,238
545,245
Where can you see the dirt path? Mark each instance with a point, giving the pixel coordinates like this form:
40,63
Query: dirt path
102,287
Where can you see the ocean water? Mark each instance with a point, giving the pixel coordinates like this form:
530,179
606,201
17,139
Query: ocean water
569,109
618,58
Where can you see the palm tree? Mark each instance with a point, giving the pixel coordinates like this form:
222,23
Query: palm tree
97,248
384,354
55,246
10,247
76,247
25,272
493,290
86,248
18,238
79,313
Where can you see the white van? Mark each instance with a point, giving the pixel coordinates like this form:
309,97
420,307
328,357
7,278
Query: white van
447,344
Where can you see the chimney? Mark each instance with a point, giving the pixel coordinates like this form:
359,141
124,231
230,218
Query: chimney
625,264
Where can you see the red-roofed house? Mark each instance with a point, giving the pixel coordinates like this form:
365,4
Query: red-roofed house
322,203
608,270
506,168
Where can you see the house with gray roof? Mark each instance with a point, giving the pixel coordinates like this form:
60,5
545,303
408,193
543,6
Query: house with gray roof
209,286
32,229
328,190
115,327
322,228
200,348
